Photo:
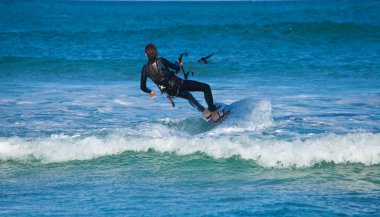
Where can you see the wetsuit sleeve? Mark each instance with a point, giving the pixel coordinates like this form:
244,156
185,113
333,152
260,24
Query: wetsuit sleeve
170,64
144,76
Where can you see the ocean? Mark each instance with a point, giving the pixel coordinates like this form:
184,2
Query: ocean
79,138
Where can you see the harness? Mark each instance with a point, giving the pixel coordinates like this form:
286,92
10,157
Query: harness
167,85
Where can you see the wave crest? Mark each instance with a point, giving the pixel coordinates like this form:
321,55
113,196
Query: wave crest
351,148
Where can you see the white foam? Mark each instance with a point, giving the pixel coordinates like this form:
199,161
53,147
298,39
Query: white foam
222,142
5,101
121,102
248,116
351,148
25,103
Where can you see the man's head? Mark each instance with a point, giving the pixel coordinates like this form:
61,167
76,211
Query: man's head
151,51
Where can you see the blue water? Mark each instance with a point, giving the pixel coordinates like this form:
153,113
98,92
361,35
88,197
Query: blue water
79,138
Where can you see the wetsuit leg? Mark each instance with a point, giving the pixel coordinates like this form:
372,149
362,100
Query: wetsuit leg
189,85
193,102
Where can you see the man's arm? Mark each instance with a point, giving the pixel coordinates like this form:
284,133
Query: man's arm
143,81
170,65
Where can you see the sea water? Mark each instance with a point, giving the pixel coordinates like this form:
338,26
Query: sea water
79,138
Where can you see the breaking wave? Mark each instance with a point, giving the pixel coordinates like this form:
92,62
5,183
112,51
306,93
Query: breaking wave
361,148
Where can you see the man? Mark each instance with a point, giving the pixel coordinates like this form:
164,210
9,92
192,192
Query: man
158,69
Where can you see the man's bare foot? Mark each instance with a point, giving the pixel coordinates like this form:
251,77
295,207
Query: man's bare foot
207,113
216,115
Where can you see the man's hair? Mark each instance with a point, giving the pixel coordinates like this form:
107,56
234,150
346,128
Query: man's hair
151,51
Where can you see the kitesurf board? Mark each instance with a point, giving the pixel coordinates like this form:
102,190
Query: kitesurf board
220,107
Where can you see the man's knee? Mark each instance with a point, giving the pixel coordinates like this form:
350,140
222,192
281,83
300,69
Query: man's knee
206,87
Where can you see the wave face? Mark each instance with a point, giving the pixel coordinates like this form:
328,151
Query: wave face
361,148
238,137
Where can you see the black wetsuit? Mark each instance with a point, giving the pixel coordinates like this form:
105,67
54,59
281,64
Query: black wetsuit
159,71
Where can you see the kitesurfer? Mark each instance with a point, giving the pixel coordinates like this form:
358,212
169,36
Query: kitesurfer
160,71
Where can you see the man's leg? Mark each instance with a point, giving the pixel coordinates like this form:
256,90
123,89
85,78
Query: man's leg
189,85
193,102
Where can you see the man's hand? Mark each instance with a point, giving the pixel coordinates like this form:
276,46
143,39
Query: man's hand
180,63
152,94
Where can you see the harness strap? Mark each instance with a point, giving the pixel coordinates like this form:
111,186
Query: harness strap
162,88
